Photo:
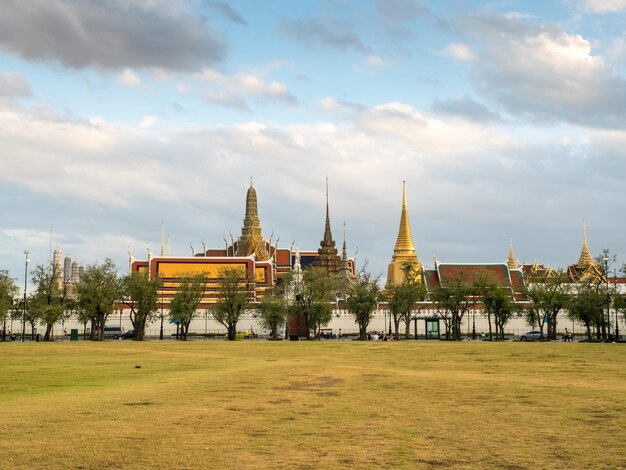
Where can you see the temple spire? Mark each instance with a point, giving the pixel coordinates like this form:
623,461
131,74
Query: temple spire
328,256
404,250
404,242
251,240
585,259
511,260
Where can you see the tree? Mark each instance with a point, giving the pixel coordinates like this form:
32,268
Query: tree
454,300
362,300
98,292
548,296
314,295
586,305
498,301
142,295
8,292
234,299
185,302
48,303
273,312
401,298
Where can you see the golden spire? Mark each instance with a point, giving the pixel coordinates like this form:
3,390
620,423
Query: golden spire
404,242
404,251
511,260
585,259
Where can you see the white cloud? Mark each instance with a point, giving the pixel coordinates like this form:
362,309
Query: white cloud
605,6
375,61
540,72
148,122
330,104
13,85
130,78
459,51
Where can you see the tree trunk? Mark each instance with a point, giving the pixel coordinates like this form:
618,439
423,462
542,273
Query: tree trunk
362,331
396,325
407,327
232,331
46,337
489,321
588,327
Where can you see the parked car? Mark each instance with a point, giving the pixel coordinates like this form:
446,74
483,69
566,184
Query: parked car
530,336
130,334
245,335
113,331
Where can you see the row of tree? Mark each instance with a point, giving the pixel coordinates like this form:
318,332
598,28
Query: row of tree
309,295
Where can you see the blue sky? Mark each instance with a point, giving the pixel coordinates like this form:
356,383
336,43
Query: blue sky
505,119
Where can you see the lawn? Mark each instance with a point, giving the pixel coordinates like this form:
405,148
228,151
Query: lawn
328,404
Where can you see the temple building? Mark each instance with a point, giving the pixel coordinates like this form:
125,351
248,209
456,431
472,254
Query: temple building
404,250
263,263
586,269
327,254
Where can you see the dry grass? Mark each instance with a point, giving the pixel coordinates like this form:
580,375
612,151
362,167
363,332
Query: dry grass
312,405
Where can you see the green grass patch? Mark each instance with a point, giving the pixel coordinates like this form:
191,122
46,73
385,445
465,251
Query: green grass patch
257,404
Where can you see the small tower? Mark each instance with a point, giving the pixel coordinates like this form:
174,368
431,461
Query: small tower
328,256
251,240
404,250
57,260
585,260
511,259
346,271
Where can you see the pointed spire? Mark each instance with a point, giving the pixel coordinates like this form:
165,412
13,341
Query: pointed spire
404,242
511,259
328,257
162,238
328,236
585,259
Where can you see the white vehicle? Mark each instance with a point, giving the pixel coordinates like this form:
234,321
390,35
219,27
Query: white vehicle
114,332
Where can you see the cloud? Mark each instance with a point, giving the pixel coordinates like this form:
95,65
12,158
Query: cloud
309,30
459,52
605,6
13,85
375,61
130,78
397,14
538,72
226,11
231,91
109,34
467,108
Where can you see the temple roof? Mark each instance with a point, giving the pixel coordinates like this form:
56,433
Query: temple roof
251,240
585,259
328,256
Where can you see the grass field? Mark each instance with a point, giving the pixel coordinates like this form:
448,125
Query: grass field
312,404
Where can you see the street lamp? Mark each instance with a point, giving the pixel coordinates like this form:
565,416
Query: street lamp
616,319
25,287
473,323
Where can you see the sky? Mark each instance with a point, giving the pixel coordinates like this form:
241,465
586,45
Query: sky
505,118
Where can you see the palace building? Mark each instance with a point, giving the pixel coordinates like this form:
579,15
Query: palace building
263,263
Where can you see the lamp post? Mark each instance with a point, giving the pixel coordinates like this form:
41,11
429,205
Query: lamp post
608,298
616,319
473,323
389,322
161,330
25,288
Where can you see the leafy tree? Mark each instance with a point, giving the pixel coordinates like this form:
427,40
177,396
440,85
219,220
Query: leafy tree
619,304
186,300
234,299
314,296
548,295
273,312
401,298
454,300
98,292
498,301
8,292
362,300
586,305
142,295
48,303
